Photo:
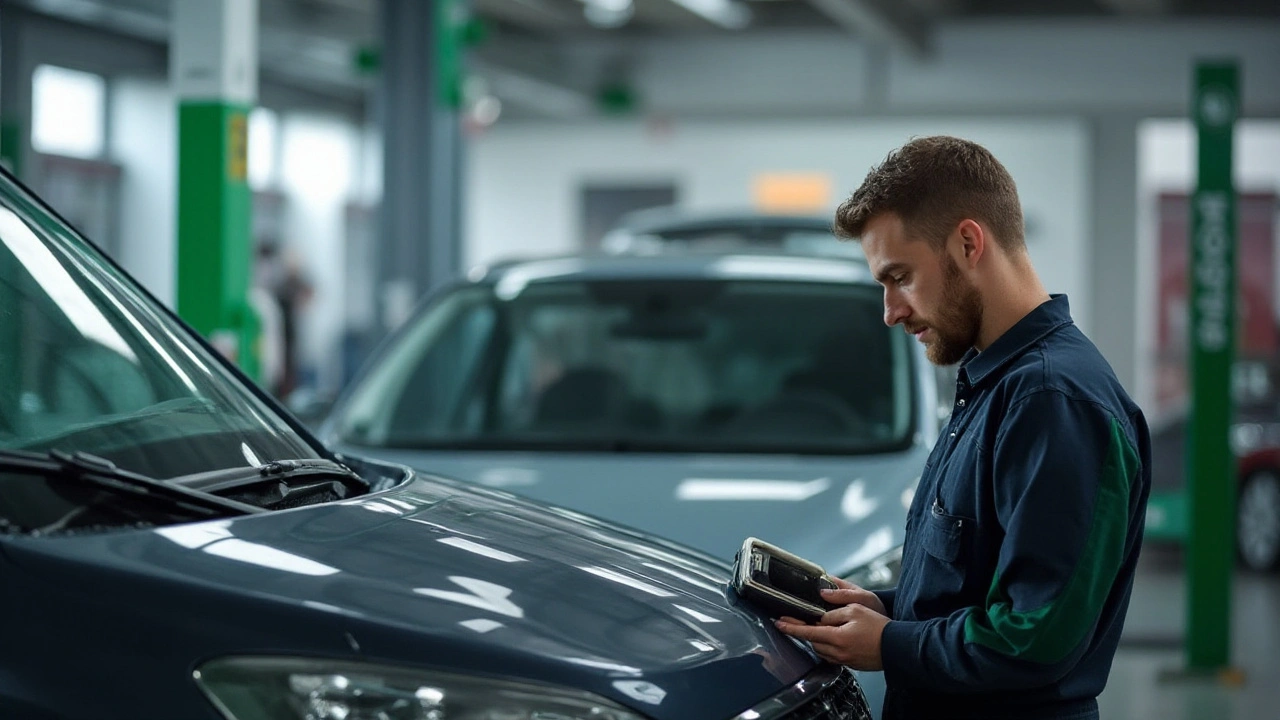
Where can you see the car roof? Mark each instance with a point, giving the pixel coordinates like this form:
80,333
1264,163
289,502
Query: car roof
690,265
664,228
674,219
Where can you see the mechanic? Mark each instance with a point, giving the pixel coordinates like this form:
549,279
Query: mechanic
1025,528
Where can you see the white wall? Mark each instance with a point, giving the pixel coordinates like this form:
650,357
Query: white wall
522,194
144,141
318,166
1167,163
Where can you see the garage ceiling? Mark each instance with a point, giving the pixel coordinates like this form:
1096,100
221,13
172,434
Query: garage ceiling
543,43
558,18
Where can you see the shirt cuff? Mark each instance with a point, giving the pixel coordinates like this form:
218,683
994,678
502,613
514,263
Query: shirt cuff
900,651
886,598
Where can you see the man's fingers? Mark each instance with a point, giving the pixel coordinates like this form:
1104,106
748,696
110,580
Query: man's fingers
811,633
828,652
844,584
837,617
846,597
853,595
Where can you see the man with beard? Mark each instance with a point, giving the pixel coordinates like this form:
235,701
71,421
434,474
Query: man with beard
1025,528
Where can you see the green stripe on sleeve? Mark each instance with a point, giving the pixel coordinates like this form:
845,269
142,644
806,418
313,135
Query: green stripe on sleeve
1048,634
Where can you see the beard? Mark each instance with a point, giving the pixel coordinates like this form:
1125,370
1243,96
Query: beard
958,320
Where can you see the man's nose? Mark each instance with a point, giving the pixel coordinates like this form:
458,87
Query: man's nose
894,312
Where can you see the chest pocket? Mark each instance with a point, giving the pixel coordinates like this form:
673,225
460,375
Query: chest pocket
943,534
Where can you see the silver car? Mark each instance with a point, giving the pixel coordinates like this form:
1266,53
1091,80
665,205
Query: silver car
665,228
703,397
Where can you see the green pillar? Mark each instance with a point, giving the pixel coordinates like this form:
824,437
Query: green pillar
11,145
214,66
15,91
1211,467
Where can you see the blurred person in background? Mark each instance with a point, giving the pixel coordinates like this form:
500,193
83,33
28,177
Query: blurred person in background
1025,527
280,274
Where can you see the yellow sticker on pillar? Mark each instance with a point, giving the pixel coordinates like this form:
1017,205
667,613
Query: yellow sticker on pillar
238,147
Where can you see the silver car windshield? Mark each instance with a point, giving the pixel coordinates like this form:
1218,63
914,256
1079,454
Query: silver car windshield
681,365
90,364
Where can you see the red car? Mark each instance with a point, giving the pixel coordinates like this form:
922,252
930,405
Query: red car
1258,508
1255,439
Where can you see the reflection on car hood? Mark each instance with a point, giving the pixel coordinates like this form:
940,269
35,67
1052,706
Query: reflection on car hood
839,512
429,573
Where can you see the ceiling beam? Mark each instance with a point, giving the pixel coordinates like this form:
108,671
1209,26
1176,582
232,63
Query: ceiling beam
1137,7
531,75
874,23
536,94
935,8
539,14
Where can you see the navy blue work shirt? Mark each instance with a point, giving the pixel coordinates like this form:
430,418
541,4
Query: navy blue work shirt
1023,534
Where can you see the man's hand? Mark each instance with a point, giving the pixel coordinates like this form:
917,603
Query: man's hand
849,635
850,594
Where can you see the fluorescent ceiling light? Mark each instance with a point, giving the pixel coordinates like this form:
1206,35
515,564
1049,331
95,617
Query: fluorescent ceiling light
608,13
725,13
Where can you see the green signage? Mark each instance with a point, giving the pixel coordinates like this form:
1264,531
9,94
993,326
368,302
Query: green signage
1212,302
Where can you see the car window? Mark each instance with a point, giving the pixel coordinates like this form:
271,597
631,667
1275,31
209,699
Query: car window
691,364
90,364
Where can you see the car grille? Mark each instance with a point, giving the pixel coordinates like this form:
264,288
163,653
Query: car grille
829,693
841,700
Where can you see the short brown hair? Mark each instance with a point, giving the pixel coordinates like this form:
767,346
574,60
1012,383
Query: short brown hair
932,183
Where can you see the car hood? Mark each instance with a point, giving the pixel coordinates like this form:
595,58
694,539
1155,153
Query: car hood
839,512
432,574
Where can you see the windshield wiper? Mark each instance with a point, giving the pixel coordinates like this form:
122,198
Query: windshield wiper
102,473
281,483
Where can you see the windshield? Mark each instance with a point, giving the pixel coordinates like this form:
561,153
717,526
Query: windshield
91,365
696,365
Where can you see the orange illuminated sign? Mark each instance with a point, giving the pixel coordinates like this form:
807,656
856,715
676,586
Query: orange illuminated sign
791,192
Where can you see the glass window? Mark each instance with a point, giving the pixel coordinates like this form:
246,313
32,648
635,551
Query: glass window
89,364
704,365
68,109
264,135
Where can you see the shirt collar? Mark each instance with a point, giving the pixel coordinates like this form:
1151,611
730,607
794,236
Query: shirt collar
1044,319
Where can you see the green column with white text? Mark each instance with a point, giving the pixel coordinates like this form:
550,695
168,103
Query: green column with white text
214,68
1211,467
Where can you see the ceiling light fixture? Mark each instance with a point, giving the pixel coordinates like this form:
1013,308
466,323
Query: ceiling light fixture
608,13
725,13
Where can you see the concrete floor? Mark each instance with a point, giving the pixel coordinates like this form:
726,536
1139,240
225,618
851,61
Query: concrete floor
1146,680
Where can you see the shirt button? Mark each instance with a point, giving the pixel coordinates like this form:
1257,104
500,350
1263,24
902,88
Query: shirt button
953,434
960,402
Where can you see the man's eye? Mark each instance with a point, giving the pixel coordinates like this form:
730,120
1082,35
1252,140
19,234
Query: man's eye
899,279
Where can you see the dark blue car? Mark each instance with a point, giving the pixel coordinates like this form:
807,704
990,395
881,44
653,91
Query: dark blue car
173,545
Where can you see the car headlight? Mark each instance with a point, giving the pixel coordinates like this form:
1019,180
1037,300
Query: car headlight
279,688
879,574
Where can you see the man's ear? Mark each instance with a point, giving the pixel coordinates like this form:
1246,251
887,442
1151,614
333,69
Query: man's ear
971,242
